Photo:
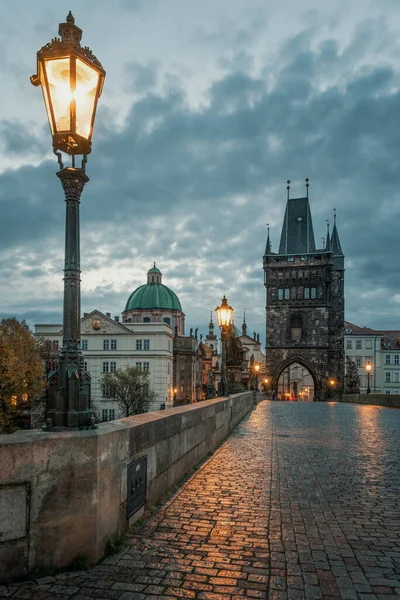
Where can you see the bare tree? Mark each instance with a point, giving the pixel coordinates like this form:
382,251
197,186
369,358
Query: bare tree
130,388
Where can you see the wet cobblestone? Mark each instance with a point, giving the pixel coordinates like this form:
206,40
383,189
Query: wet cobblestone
302,502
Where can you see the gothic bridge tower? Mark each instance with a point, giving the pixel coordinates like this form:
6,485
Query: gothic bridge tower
305,301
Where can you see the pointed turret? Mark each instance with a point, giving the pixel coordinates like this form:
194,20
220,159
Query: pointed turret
328,246
268,244
211,337
297,235
244,324
338,256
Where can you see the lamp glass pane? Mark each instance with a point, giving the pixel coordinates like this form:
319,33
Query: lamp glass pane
58,77
87,80
224,316
45,91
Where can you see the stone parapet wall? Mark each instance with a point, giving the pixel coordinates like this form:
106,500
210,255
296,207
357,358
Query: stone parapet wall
64,494
376,399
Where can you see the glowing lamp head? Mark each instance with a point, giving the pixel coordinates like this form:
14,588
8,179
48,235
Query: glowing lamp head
368,367
72,80
332,382
256,367
266,380
224,313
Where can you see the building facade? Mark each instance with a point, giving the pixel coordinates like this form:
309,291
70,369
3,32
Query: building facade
380,349
108,345
305,301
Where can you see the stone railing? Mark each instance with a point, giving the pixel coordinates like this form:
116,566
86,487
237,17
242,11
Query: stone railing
65,494
377,399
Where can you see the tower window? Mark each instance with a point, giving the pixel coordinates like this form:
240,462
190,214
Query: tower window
306,293
287,293
313,292
280,294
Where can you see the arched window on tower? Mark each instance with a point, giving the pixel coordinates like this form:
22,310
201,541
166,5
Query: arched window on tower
296,327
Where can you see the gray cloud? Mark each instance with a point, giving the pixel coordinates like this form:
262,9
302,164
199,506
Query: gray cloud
194,186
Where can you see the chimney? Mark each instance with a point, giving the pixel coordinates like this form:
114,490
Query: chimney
108,315
116,318
85,314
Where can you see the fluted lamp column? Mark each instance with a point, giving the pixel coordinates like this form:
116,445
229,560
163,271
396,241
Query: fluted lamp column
224,315
71,78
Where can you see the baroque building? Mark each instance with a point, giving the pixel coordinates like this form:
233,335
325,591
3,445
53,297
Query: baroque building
305,301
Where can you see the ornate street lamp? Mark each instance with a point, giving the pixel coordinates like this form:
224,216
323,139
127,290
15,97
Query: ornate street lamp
256,370
368,368
72,79
224,315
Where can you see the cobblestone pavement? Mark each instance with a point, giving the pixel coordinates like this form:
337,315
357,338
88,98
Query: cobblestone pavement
303,501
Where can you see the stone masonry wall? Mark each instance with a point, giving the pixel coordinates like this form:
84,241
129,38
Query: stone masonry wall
65,493
373,399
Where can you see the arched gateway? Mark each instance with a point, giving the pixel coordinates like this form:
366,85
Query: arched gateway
305,302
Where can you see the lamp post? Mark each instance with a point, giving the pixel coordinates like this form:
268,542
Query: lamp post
256,370
72,79
368,368
224,315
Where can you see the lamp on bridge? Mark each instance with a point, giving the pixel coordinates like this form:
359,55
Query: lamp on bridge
71,79
368,368
257,368
224,316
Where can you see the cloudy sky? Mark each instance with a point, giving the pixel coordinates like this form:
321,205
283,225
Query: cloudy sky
208,107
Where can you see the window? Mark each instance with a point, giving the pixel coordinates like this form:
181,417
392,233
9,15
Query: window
396,359
368,344
169,344
396,377
287,292
387,359
358,344
108,414
113,344
348,345
358,361
280,294
85,366
139,345
290,258
113,366
84,345
146,344
146,320
313,292
105,367
138,365
167,320
146,366
387,376
306,293
106,344
387,392
104,391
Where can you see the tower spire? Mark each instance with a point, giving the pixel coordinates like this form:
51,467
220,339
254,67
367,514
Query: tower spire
335,242
297,235
268,244
307,185
328,246
244,324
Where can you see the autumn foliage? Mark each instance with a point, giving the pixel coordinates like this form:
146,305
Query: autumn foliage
22,380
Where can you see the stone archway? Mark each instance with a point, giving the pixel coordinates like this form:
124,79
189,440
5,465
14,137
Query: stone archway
296,359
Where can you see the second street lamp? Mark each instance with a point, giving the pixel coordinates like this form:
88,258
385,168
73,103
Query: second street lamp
72,79
224,315
368,368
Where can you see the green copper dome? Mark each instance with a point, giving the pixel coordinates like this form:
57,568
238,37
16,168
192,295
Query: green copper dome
153,295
